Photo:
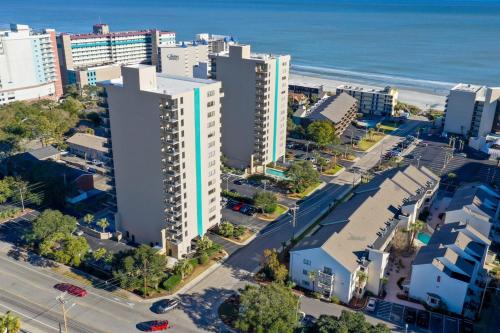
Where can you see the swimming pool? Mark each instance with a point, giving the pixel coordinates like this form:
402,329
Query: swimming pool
276,173
424,238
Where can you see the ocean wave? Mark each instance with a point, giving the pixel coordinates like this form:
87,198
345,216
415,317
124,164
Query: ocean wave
374,78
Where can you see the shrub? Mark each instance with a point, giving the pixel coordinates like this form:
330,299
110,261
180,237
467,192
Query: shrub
335,300
203,259
172,282
238,231
316,295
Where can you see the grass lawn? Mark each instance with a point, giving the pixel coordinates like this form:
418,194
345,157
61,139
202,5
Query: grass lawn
387,128
280,210
305,193
333,171
241,239
366,144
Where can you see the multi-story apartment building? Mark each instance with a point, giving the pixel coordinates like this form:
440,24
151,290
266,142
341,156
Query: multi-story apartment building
254,110
470,110
339,110
89,56
215,43
349,253
380,102
165,133
184,59
29,65
449,271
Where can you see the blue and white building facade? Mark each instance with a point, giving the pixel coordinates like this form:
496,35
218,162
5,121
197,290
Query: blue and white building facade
165,133
29,66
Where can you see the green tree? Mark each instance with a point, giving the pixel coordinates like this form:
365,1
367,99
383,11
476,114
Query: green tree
140,266
301,175
322,132
267,201
103,223
99,253
50,222
88,219
268,309
414,229
13,188
204,243
348,322
64,248
9,323
183,267
226,229
272,267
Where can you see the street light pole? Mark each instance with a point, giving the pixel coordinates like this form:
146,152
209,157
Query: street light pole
22,199
294,219
62,301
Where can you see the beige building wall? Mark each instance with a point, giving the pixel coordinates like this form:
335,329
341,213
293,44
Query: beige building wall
254,108
166,150
183,59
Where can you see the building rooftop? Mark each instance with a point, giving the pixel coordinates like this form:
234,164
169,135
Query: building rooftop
387,90
365,221
115,34
480,198
165,84
467,87
44,153
89,141
334,108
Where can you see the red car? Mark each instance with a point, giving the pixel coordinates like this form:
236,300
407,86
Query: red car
71,289
237,207
156,325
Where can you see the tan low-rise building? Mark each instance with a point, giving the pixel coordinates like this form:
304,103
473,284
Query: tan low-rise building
89,146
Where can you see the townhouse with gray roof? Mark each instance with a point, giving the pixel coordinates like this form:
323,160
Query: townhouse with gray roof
449,272
478,205
348,254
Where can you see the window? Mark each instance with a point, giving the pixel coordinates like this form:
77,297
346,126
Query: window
211,124
211,93
211,114
327,270
307,262
212,191
305,272
210,104
438,278
212,218
182,100
305,283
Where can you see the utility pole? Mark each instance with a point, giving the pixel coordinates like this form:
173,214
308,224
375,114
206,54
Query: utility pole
22,199
380,157
144,273
418,161
63,302
294,219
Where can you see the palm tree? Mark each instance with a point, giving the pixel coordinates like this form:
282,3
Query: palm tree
370,134
183,267
204,243
312,276
88,219
9,323
103,223
414,229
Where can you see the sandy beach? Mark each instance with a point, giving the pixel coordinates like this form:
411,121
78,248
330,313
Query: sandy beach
421,99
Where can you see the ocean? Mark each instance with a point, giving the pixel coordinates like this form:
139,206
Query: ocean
417,44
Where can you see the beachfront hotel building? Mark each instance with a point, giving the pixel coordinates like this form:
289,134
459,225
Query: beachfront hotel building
184,59
374,102
165,133
97,56
471,110
215,43
254,109
29,65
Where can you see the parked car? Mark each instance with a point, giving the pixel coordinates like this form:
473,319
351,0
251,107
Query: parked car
247,210
154,326
462,154
311,159
371,304
237,207
239,181
165,305
79,232
410,316
71,289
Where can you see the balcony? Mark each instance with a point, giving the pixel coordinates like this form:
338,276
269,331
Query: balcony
325,282
174,162
172,205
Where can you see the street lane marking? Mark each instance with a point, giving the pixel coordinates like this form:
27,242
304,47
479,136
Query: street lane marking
59,280
30,318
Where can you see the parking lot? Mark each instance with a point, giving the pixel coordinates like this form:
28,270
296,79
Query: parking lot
434,154
419,320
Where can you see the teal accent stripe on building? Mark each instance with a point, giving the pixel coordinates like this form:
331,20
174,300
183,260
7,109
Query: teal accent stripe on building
276,102
199,187
111,43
